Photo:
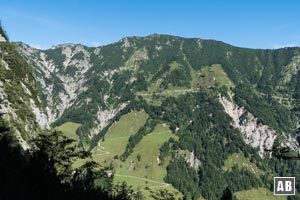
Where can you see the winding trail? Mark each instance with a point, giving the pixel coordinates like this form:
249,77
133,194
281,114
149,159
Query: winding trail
102,151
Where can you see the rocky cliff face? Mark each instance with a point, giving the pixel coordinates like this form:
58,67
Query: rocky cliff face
70,79
254,133
192,160
2,38
18,96
59,89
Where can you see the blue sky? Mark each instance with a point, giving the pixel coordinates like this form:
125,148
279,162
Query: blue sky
252,23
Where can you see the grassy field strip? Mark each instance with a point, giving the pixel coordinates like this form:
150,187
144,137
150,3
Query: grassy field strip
166,92
128,176
258,194
143,179
211,76
144,173
242,162
101,154
107,152
159,132
69,130
135,177
116,138
152,187
148,150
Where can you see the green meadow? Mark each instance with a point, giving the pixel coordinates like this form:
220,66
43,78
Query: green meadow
69,130
117,136
142,174
258,194
242,162
210,76
141,169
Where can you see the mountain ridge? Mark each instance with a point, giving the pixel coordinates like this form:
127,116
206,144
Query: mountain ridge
133,48
219,100
153,35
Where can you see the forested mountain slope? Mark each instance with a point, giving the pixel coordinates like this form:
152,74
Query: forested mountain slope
228,106
74,78
35,162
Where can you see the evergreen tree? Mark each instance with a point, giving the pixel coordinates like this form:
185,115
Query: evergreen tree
227,194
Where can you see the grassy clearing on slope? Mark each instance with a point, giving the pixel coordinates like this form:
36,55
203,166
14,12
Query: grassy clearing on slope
242,162
69,130
258,194
117,137
147,167
170,188
140,174
211,76
146,186
157,97
148,149
174,65
135,182
156,85
155,94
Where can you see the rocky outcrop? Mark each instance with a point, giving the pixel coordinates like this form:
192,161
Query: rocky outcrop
255,134
103,117
23,128
63,74
60,93
40,117
5,106
290,142
82,64
192,160
9,114
3,63
2,39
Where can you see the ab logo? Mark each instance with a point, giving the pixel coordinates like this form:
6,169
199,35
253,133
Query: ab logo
284,185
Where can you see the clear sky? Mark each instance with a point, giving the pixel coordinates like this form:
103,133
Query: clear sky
245,23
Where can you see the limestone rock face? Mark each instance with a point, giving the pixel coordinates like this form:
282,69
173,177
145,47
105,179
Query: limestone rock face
193,161
2,39
254,133
67,77
60,93
20,106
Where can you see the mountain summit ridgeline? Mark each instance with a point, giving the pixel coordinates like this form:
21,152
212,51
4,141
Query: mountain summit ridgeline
230,111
